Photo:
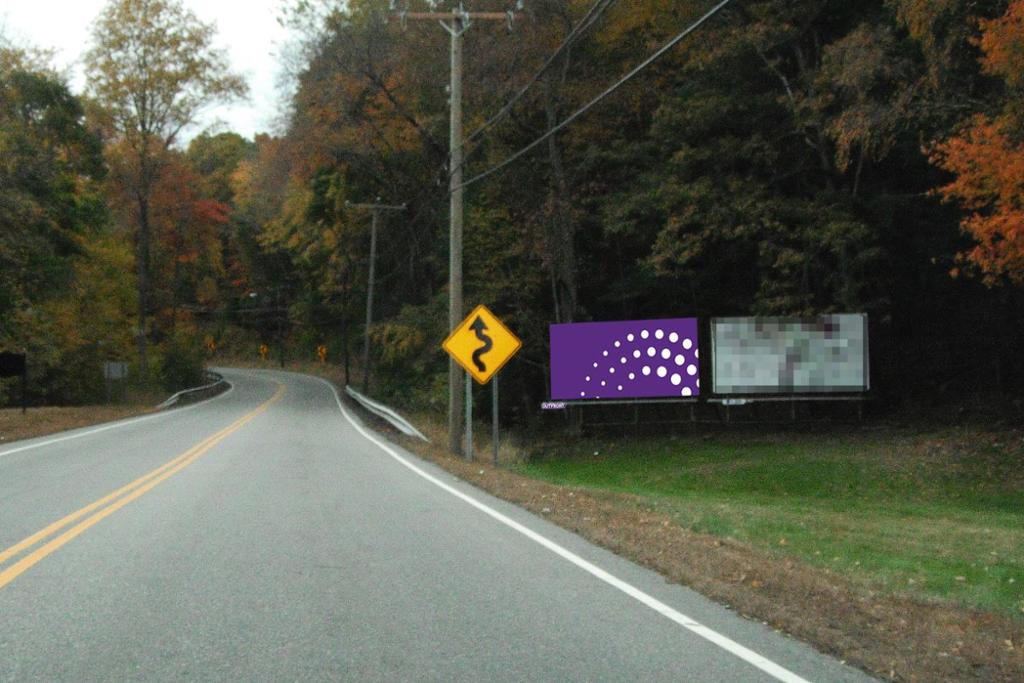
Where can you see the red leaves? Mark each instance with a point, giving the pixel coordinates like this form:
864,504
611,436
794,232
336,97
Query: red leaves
211,212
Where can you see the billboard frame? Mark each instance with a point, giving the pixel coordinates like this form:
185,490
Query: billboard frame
778,393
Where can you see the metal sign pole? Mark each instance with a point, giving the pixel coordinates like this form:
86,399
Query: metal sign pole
469,417
494,416
24,389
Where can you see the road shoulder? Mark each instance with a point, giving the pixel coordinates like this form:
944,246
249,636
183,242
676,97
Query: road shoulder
896,638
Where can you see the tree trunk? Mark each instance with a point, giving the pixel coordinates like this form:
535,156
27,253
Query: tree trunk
561,237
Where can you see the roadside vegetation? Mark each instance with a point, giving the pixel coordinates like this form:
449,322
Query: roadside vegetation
788,158
937,515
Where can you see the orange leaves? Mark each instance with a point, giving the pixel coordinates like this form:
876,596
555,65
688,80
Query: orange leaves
989,182
988,161
1002,42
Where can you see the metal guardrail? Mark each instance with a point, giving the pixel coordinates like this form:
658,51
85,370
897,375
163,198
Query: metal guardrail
206,387
385,413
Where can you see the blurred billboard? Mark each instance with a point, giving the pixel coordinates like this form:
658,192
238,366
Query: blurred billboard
825,354
625,360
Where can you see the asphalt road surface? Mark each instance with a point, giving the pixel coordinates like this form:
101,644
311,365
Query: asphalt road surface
267,535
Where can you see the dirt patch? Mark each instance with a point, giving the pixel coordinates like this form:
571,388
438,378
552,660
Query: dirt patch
42,421
896,638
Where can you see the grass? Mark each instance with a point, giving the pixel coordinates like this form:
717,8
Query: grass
938,516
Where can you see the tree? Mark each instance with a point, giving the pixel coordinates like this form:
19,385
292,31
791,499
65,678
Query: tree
987,157
49,173
153,68
215,158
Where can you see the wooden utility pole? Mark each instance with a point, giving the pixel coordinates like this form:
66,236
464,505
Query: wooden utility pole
456,22
376,209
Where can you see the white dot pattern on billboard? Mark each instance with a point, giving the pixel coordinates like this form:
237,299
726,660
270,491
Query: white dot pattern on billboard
646,350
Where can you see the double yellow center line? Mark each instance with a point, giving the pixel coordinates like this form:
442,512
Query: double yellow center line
109,504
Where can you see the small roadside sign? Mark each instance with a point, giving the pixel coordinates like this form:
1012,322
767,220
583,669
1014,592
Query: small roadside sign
482,344
115,370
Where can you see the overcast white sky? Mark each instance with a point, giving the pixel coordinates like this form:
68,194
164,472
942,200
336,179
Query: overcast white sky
248,29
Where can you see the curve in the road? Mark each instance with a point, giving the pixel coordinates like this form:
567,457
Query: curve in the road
116,500
118,424
732,647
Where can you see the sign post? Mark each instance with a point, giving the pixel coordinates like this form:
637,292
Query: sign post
494,417
482,345
469,419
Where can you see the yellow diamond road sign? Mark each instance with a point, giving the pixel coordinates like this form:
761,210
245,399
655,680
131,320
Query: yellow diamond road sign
482,344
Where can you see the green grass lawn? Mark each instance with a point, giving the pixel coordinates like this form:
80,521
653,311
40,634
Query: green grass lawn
938,515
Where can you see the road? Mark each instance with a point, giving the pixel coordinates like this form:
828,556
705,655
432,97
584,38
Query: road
267,535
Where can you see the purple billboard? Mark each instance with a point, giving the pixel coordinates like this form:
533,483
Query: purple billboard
625,359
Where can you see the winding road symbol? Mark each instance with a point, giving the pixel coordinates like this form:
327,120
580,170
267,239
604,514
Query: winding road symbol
481,344
479,327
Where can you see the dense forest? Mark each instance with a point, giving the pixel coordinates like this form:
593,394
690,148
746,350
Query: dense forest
788,157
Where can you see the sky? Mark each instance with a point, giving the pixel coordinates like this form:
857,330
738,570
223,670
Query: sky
247,29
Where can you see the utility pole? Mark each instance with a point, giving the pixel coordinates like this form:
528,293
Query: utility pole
376,209
459,21
280,329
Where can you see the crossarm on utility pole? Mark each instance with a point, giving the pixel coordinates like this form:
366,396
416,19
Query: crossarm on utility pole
443,16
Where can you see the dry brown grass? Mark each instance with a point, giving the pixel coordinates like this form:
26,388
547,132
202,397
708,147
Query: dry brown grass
42,421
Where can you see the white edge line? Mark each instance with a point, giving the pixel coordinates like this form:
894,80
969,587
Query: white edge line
709,634
117,424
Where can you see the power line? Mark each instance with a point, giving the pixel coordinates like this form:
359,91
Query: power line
622,81
592,15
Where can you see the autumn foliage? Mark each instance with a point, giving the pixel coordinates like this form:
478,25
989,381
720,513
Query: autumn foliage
769,164
987,159
989,183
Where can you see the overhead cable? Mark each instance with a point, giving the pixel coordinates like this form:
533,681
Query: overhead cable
622,81
592,15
